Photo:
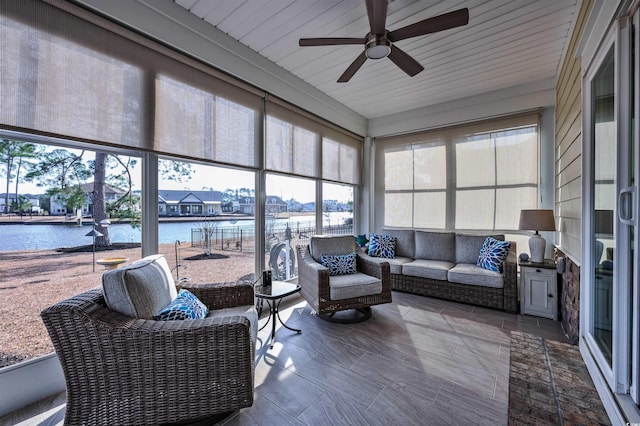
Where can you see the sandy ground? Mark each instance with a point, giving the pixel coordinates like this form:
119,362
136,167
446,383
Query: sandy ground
32,280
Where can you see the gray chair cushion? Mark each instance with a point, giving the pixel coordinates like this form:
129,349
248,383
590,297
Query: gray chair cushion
320,244
468,247
140,289
405,241
436,246
354,285
433,269
395,264
465,273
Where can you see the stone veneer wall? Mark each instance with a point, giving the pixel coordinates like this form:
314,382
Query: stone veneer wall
570,298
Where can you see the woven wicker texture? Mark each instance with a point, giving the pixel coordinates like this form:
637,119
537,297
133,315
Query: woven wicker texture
121,370
505,298
313,279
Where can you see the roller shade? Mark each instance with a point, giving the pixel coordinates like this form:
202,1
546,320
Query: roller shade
71,74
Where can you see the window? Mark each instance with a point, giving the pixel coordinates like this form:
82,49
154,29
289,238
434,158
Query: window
290,218
496,177
44,263
337,209
415,185
206,233
474,177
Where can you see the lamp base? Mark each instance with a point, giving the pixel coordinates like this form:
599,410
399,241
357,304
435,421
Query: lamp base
537,245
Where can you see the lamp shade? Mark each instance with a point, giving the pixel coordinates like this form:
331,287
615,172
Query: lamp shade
537,220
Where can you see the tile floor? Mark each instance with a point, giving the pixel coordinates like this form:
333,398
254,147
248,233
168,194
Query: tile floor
416,361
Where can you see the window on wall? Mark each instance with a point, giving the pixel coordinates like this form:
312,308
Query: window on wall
57,196
415,184
475,177
206,221
496,177
337,209
290,218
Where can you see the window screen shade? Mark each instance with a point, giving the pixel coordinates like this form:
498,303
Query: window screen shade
492,175
299,144
66,76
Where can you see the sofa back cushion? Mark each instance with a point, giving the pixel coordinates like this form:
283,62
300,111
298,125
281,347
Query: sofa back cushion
331,245
436,246
141,289
468,247
405,241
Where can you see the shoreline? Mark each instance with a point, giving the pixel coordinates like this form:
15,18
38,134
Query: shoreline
63,220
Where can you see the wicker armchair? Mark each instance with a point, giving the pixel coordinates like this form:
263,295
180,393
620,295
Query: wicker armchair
123,370
317,285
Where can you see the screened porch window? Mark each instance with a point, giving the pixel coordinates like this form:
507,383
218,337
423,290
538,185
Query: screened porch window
475,177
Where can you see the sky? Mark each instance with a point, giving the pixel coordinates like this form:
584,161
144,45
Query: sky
220,178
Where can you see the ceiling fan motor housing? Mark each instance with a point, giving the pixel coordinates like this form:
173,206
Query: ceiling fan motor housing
377,46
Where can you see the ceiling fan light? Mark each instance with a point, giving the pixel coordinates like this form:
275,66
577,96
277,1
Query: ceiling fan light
377,46
378,51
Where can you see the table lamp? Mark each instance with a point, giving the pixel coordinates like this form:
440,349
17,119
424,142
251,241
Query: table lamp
537,220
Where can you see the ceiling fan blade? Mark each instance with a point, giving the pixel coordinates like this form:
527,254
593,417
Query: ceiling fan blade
330,41
453,19
377,11
405,62
353,68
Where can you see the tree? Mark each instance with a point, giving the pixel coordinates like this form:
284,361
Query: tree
119,176
13,155
98,199
22,204
59,169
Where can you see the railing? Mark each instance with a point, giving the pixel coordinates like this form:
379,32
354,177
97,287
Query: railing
243,239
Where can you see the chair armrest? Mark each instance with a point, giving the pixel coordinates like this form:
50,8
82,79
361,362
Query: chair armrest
380,270
313,278
510,272
222,295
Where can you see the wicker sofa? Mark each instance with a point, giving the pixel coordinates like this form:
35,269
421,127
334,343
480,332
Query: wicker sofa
121,369
443,265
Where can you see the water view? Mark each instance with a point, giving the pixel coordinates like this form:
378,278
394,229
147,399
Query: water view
44,237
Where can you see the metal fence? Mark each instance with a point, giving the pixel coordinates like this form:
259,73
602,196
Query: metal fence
277,239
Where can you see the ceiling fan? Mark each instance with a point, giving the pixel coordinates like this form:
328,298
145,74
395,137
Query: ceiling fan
379,42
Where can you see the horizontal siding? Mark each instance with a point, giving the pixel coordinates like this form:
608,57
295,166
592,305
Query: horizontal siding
568,142
570,191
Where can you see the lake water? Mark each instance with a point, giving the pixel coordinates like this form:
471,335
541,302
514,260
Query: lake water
42,237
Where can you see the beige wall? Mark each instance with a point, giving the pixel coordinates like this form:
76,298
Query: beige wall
568,144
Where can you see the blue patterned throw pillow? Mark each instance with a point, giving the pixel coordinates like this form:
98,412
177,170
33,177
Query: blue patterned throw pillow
492,254
184,307
382,246
340,264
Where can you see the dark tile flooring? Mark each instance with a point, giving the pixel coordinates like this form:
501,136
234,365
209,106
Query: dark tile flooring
416,361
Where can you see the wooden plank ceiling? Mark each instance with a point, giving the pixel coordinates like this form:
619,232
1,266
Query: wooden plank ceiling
506,43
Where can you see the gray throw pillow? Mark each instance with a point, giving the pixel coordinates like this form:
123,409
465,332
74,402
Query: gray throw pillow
141,289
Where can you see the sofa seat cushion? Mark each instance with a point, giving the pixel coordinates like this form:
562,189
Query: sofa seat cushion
433,269
247,311
140,289
354,285
395,264
465,273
